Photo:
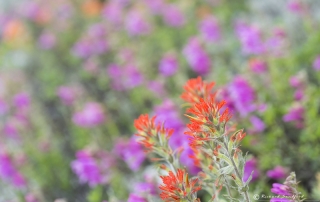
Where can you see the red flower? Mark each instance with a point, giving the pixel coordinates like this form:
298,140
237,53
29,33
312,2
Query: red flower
207,118
177,187
151,132
196,89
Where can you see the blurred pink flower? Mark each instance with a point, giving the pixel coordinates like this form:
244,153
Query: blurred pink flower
9,172
136,198
196,56
131,152
92,168
295,6
21,101
136,24
168,65
295,114
258,124
251,165
278,172
47,40
91,115
258,66
173,16
210,29
67,94
113,13
250,38
316,63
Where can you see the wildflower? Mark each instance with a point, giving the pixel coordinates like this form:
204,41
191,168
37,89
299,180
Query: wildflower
295,114
47,41
250,39
67,94
113,12
173,16
168,65
316,63
92,167
178,186
9,172
196,89
131,152
242,96
136,24
136,198
196,56
251,165
210,29
91,115
258,66
21,100
258,124
148,132
295,6
278,172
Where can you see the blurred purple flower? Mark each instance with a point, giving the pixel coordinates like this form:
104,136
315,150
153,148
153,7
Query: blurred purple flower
91,115
210,29
250,38
67,94
30,197
296,81
258,124
136,198
145,187
157,88
296,113
173,16
168,65
47,41
113,13
8,171
3,107
278,172
92,168
251,165
281,189
10,129
295,6
136,24
131,152
258,66
299,94
21,101
241,96
316,63
156,6
124,78
167,112
196,56
276,44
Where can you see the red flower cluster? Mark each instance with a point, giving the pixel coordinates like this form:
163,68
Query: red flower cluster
177,187
196,89
150,132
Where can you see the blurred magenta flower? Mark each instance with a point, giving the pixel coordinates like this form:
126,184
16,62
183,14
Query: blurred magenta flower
67,94
145,188
258,66
296,81
278,172
90,116
9,173
196,56
21,101
316,63
167,112
92,168
210,29
251,165
157,88
47,40
131,152
173,16
250,38
295,6
136,24
281,189
241,96
136,198
168,65
10,129
124,77
276,44
258,124
296,114
30,197
113,12
3,107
